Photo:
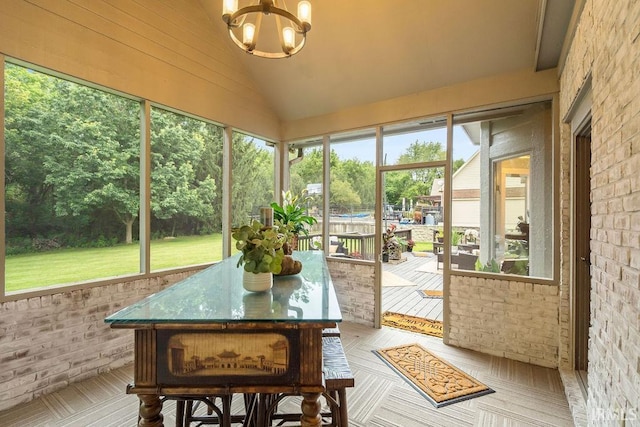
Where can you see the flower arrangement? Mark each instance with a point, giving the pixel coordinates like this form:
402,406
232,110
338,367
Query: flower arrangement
261,248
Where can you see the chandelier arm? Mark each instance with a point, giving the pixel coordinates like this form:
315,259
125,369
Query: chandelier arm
257,32
280,36
238,22
232,20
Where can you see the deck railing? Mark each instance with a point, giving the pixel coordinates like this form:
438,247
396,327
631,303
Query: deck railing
355,245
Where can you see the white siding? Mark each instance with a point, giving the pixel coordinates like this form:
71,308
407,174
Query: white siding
466,213
467,176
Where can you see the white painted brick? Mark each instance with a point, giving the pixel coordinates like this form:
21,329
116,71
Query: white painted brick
507,318
605,46
52,340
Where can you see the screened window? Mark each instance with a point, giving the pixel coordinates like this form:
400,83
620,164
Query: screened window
72,181
413,142
253,178
186,190
502,195
305,178
352,195
415,195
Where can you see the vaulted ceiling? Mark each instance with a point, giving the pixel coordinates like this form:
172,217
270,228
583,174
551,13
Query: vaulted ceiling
364,51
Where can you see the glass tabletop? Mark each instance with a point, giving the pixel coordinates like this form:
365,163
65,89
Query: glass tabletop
216,295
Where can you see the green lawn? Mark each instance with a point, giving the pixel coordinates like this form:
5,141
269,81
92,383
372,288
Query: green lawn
64,266
423,247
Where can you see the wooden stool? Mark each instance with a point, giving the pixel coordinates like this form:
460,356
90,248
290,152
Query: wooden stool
337,377
331,332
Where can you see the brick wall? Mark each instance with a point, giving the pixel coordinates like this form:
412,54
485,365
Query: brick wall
511,319
606,47
354,286
50,341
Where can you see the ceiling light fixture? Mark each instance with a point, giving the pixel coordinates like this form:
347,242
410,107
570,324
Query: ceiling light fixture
290,44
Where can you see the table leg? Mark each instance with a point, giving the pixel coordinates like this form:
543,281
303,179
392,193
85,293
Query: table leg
226,410
262,409
150,411
310,410
180,413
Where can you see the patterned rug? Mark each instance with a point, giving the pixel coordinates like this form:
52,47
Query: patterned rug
413,324
441,383
430,293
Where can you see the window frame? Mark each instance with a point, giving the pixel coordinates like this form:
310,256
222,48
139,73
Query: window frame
281,181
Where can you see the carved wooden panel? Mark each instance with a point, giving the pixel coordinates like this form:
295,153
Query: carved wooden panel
228,357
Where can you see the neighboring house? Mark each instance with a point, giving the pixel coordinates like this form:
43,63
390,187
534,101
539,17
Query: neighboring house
465,206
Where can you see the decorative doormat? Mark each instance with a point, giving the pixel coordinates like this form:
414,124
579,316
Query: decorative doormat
430,293
412,323
441,383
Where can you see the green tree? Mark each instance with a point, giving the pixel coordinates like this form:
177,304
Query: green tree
307,170
72,157
417,182
422,152
178,144
28,199
343,197
92,154
457,164
211,166
253,178
361,177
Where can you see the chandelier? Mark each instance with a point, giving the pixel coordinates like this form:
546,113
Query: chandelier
249,19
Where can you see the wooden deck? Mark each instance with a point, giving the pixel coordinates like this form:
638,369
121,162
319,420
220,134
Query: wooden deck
416,273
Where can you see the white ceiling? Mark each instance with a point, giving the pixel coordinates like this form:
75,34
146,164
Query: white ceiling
363,51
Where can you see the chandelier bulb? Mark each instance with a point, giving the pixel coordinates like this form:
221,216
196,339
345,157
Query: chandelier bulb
288,37
304,12
229,7
248,34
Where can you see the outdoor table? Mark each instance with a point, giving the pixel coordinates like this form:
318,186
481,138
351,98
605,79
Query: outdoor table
207,336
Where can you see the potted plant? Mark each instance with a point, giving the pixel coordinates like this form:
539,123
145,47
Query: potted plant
410,245
438,235
291,218
261,254
391,249
491,266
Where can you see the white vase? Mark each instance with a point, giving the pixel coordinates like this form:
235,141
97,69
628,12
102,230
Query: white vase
257,282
